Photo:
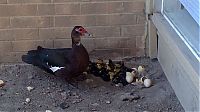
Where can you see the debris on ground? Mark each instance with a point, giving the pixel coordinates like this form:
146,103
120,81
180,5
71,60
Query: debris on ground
64,105
28,100
129,97
2,83
29,88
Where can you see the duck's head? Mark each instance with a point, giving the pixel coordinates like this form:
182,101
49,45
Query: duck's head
77,33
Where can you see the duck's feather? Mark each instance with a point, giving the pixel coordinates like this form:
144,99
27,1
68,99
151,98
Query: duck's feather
48,59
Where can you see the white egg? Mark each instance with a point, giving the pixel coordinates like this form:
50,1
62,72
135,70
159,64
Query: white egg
147,83
129,77
2,83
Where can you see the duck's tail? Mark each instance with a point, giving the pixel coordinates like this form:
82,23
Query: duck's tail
32,57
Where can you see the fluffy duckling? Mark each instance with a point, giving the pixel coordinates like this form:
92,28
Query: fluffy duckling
120,71
101,70
92,69
110,67
140,70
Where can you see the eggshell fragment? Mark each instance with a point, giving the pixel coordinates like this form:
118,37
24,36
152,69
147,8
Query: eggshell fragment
29,88
28,100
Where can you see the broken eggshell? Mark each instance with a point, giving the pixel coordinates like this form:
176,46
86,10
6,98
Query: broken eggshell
146,81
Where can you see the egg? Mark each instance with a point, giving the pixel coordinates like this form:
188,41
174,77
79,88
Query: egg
147,83
2,83
129,77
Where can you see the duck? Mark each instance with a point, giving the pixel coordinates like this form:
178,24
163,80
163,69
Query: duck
67,62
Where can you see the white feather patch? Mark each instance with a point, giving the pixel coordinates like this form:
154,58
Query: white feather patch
54,69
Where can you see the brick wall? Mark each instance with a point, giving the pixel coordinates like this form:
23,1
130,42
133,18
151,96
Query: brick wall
118,25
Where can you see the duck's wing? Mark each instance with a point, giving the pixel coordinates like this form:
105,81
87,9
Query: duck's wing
50,60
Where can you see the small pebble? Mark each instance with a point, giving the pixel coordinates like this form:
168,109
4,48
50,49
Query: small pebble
2,83
129,97
64,95
108,102
29,88
28,100
30,77
94,109
64,105
48,111
95,104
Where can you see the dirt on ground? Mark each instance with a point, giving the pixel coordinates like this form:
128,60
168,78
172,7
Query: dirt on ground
50,93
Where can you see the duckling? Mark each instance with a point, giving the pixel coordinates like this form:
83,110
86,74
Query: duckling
140,70
98,69
102,70
92,69
120,71
110,66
